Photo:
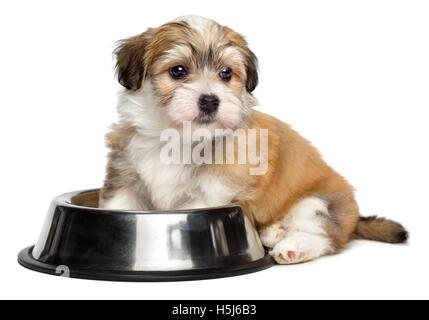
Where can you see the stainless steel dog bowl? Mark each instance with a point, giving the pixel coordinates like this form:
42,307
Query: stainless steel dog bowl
80,240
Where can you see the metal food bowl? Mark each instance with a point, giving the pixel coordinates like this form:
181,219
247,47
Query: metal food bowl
80,240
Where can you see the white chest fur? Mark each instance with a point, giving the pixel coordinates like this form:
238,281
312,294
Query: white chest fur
176,186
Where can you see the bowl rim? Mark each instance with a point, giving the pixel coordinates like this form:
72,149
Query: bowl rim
26,259
64,200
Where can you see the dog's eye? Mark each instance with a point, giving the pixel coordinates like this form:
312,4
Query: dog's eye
226,74
178,72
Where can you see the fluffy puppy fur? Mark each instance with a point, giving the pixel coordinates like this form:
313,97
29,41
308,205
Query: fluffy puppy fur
302,208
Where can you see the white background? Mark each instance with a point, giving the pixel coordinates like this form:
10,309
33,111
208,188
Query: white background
351,76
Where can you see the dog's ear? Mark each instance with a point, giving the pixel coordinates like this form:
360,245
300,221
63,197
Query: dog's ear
251,62
130,61
251,70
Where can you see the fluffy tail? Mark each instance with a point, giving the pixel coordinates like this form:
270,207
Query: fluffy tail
380,229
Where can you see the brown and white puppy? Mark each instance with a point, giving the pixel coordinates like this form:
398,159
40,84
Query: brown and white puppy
197,71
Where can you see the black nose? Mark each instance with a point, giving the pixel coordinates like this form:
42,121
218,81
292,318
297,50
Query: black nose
208,103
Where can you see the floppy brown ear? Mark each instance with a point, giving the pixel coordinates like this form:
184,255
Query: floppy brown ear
130,61
251,61
251,70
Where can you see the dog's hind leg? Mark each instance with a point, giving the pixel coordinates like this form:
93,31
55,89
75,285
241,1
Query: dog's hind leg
307,235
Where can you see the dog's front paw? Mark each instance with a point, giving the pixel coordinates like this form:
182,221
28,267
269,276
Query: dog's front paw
272,235
299,248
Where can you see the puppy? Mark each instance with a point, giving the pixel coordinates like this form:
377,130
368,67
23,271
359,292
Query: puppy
195,73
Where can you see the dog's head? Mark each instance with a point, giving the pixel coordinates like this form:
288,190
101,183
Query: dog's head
197,70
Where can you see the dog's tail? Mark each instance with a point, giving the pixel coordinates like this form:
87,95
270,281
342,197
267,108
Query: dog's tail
380,229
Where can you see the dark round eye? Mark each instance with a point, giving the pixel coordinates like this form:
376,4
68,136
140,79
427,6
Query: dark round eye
226,74
178,72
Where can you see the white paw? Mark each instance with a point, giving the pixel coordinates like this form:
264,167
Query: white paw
272,235
300,247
